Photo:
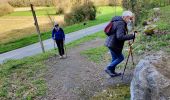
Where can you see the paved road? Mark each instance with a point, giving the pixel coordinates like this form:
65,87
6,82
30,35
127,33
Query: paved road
48,44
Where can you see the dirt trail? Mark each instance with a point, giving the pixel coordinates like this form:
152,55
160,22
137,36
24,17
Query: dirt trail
76,78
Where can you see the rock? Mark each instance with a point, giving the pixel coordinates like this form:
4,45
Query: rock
149,29
151,79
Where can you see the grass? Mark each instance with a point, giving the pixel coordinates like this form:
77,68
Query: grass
52,11
105,14
23,79
159,41
120,92
85,39
40,12
151,44
95,54
164,23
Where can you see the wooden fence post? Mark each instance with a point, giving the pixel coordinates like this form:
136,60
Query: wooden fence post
37,27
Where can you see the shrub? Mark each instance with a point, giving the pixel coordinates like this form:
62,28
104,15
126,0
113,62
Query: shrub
89,11
68,18
5,9
81,13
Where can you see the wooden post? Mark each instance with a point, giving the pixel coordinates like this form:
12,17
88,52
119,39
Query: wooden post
37,27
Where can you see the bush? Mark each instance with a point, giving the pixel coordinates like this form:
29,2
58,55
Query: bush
5,9
81,13
68,18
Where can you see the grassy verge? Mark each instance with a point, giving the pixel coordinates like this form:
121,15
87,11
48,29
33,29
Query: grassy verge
121,92
40,12
52,11
23,79
164,23
98,56
85,39
104,15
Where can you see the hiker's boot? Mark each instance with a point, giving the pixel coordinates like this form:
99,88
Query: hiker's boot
109,72
64,56
61,57
115,73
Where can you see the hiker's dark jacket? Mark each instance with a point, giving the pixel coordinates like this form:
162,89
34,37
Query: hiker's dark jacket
119,35
58,34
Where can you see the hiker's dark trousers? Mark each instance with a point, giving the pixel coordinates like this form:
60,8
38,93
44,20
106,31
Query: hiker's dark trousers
60,45
116,59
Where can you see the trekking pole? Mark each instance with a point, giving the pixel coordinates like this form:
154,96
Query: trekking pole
135,32
65,50
132,57
54,45
130,52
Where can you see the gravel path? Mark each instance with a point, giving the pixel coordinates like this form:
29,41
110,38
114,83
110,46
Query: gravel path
76,78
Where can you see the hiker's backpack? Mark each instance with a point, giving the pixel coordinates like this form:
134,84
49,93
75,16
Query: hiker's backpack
108,29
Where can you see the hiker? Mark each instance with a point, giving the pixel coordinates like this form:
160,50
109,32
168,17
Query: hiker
115,41
59,37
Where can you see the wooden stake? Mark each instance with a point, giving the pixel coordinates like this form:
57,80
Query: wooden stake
37,27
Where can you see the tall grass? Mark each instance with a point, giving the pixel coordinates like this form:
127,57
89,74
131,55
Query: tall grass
107,2
61,3
25,3
5,8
